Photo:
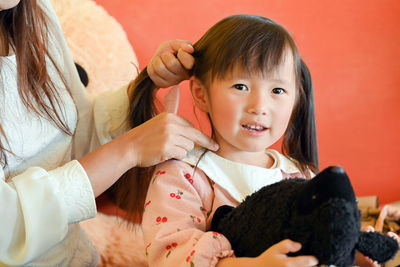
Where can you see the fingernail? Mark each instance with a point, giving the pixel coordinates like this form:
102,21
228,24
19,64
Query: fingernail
215,146
314,261
297,245
190,46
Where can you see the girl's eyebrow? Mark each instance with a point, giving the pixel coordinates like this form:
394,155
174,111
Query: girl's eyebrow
279,80
243,75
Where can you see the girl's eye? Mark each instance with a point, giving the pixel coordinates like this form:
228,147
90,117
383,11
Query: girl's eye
278,91
240,87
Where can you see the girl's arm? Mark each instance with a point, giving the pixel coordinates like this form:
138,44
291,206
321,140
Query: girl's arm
174,225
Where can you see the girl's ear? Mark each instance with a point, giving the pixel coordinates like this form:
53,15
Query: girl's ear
199,94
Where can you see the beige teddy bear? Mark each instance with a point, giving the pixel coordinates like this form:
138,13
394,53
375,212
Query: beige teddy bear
97,43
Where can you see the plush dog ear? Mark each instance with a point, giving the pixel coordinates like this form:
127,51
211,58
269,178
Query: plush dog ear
218,215
377,246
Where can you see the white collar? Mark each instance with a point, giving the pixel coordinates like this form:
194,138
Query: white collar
240,180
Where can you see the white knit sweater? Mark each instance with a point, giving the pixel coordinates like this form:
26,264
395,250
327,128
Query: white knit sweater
44,191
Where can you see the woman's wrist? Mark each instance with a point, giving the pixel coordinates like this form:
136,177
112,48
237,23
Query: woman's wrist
108,162
127,144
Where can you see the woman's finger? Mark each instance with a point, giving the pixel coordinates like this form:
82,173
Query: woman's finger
186,59
175,45
154,76
175,152
199,138
172,64
159,73
184,143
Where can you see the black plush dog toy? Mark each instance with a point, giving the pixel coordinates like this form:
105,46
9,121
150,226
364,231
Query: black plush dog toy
320,213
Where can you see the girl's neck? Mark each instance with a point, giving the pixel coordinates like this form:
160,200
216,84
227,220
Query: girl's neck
260,159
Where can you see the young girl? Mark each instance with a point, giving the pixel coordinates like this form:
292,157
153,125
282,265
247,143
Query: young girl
47,122
249,79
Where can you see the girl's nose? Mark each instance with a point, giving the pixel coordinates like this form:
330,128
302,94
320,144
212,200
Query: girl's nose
257,105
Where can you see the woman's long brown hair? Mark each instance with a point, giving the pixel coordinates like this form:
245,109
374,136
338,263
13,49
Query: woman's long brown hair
256,43
24,30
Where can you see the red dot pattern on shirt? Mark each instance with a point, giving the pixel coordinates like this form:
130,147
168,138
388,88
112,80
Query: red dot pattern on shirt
160,219
177,195
190,256
188,177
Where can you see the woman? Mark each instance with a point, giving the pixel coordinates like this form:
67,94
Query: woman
60,148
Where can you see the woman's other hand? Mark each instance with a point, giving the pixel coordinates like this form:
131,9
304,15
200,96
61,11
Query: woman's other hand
171,63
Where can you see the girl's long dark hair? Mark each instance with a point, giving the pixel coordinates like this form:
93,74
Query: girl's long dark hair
129,192
300,140
256,43
24,30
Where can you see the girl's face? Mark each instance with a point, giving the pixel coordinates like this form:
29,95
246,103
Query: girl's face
7,4
250,112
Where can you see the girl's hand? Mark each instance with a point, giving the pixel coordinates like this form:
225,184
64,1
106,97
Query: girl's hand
274,256
361,260
364,261
171,63
277,256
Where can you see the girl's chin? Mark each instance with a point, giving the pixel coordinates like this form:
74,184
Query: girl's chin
244,149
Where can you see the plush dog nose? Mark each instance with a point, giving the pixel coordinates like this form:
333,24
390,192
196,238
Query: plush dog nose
336,169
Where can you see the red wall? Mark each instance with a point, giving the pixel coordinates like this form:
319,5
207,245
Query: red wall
353,50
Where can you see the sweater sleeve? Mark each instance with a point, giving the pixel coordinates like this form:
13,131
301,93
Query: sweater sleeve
101,117
63,196
111,110
175,219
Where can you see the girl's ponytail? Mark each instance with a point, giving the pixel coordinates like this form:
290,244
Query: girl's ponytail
129,192
142,107
309,132
300,141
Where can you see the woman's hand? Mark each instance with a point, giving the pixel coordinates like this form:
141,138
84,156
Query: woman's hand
171,63
166,136
163,137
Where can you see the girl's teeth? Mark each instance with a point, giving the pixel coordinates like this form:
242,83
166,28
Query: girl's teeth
254,127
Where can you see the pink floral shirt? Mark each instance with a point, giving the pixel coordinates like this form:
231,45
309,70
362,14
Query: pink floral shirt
182,199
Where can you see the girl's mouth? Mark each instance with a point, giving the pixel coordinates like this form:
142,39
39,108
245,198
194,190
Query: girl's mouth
254,127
